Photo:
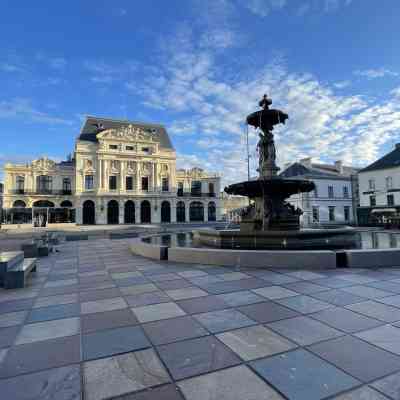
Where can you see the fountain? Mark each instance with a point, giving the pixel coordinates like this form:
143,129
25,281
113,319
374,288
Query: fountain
270,222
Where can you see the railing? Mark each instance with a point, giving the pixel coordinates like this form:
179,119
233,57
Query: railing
195,194
42,192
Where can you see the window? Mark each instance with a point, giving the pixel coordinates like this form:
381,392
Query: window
129,148
315,214
44,184
346,210
390,200
113,147
112,182
371,184
165,185
145,183
20,184
129,183
196,188
180,188
145,150
345,192
330,192
66,188
389,182
331,213
211,191
89,182
372,201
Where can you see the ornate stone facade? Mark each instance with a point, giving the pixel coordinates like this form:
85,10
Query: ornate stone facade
121,172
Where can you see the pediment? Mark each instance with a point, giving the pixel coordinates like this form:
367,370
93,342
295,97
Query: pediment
43,164
129,133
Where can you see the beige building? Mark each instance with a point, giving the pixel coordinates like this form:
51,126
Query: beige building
121,172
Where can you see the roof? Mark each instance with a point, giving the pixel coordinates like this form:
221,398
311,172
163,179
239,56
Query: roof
390,160
90,130
322,171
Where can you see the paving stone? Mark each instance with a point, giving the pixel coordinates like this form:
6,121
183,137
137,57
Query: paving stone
138,289
333,283
55,384
205,280
389,385
391,301
275,292
174,329
241,298
274,278
304,330
237,383
338,297
386,285
12,319
18,305
145,299
191,274
116,303
305,275
107,320
123,275
366,291
126,373
93,295
356,278
140,280
3,353
186,293
41,355
346,320
232,286
8,335
157,312
255,342
303,287
113,341
304,304
290,374
223,320
386,337
267,311
48,330
54,312
165,392
382,312
196,356
233,276
164,277
358,358
61,282
202,304
56,300
363,393
55,291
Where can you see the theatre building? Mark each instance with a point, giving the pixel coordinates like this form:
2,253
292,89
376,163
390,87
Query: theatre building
122,172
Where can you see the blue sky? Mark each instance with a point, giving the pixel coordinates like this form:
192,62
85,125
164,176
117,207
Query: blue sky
199,67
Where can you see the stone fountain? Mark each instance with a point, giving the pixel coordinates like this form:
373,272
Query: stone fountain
270,222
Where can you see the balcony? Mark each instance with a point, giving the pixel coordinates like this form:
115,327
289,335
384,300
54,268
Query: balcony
194,194
43,192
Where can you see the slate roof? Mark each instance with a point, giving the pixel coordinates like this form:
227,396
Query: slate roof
390,160
89,130
321,171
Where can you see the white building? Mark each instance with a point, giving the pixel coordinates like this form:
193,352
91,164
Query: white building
379,189
334,200
121,172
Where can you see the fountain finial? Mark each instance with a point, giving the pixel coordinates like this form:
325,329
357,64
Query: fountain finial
265,102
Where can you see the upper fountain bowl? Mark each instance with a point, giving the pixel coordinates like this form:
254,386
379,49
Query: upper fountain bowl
266,119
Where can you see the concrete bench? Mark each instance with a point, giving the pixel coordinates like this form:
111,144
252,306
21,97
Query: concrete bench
16,276
75,237
8,259
123,235
30,249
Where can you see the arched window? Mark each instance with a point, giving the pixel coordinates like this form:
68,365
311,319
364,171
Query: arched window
19,204
129,212
43,203
145,212
113,212
89,214
196,211
212,214
180,212
66,204
165,212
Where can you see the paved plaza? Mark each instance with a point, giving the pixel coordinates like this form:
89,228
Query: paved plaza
99,323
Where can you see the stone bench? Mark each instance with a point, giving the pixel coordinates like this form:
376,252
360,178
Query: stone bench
30,249
75,237
123,235
16,276
9,259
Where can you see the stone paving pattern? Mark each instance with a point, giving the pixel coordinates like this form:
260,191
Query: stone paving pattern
96,322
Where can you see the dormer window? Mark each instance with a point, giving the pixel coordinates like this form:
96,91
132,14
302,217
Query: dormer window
129,148
146,150
113,147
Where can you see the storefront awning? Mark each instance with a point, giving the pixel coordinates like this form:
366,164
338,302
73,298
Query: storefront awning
383,210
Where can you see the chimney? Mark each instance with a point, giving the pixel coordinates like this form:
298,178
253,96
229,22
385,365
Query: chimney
339,166
397,146
307,162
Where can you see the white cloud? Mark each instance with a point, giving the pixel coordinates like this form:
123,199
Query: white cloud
106,73
376,73
396,92
342,84
263,8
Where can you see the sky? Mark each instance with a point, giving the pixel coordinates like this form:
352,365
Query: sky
199,67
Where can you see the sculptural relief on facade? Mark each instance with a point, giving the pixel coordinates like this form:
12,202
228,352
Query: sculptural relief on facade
128,133
43,164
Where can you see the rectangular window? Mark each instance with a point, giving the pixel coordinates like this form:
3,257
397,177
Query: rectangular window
66,186
112,182
345,192
315,214
165,185
196,188
371,184
389,182
346,213
113,147
372,201
330,192
44,184
211,191
129,183
390,200
129,148
145,183
145,149
331,213
89,179
20,184
180,188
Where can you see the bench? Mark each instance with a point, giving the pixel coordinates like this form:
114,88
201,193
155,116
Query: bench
75,237
30,249
16,276
8,259
123,235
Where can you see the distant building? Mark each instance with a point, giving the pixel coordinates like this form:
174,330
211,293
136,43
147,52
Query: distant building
335,198
121,172
379,188
231,206
1,201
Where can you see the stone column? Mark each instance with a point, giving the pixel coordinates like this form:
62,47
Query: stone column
137,178
155,214
187,211
205,212
78,213
137,211
100,174
121,203
173,210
